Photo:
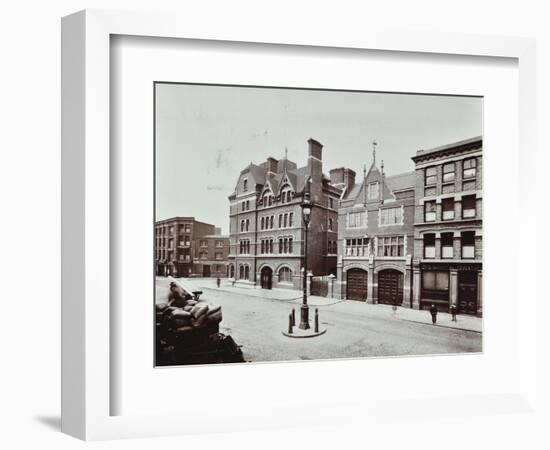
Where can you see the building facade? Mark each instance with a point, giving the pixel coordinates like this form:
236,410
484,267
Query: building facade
375,240
211,256
266,226
448,252
185,247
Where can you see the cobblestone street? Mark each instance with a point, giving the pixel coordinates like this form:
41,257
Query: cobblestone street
255,318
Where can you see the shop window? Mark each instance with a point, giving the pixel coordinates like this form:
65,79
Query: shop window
435,281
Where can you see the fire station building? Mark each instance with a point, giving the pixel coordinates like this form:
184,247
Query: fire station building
375,244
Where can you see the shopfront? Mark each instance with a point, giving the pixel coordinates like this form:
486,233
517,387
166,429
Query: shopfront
445,284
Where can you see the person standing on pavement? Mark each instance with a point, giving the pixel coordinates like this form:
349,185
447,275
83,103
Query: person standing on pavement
218,281
453,312
394,306
433,312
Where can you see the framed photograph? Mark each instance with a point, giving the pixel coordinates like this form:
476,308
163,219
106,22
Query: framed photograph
259,223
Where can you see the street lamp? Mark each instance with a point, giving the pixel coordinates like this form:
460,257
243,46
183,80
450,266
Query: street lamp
306,215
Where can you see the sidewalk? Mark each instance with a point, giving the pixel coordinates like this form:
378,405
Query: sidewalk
285,295
464,322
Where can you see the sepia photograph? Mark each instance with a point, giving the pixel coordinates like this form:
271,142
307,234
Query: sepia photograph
307,224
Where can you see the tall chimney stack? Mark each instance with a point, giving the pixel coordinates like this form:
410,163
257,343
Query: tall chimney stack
315,168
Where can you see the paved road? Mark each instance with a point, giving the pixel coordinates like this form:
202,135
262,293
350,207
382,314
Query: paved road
352,330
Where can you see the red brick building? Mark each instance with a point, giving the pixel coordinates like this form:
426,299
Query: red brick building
375,239
448,227
186,247
266,226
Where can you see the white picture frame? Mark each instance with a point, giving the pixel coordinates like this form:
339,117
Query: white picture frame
86,324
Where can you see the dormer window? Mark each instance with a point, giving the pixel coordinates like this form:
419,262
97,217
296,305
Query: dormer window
245,185
373,191
286,194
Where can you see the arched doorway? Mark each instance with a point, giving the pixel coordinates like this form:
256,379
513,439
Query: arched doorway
357,284
390,287
266,277
231,271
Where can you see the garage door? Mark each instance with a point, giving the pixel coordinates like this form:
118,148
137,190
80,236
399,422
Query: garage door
357,284
390,287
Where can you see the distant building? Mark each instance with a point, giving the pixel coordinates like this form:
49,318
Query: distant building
186,247
211,256
266,227
448,227
375,236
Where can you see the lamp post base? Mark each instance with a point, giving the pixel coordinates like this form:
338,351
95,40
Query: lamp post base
304,317
304,334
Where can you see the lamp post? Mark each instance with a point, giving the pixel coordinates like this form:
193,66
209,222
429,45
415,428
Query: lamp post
306,215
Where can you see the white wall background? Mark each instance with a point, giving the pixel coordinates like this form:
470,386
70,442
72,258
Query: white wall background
30,225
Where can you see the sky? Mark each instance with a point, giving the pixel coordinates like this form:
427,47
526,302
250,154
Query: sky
205,135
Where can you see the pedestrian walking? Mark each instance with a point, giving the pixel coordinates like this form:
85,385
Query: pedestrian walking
453,312
433,312
394,307
218,281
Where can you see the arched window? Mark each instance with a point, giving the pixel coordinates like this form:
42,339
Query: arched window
245,185
246,272
280,245
280,220
271,224
289,245
262,223
241,272
247,224
285,275
288,196
290,216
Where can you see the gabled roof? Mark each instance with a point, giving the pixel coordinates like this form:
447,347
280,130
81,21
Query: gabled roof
401,181
257,172
389,184
301,174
